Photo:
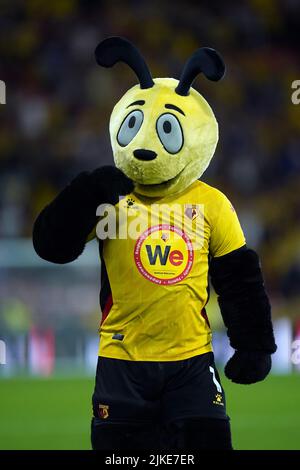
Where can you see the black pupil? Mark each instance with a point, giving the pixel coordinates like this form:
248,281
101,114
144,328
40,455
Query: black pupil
167,127
131,122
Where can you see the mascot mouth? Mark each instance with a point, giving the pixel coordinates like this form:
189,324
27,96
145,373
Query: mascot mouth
171,186
164,184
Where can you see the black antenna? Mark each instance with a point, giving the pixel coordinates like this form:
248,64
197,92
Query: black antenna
205,60
117,49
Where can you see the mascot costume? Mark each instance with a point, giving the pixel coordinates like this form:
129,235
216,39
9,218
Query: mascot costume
157,386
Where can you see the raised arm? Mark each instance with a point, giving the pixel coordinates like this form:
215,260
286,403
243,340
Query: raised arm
61,230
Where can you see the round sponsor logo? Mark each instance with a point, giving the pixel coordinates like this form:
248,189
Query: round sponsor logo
164,254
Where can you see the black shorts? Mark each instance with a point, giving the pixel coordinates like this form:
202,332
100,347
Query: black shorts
152,392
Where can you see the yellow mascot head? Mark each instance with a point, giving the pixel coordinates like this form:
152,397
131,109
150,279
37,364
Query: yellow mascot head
163,132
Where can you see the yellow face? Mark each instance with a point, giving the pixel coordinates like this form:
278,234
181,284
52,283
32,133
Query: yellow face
161,140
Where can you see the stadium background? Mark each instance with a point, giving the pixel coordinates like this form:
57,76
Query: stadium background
55,124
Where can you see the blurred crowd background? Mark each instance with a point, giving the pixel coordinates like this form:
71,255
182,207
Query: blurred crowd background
55,124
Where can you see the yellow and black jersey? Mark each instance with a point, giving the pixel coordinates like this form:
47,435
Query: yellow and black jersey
154,280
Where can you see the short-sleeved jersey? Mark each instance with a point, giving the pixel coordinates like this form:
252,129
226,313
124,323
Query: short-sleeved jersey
154,284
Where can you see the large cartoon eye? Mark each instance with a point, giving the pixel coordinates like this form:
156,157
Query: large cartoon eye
130,127
169,132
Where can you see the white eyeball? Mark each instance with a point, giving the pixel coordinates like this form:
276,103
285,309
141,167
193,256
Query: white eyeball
169,132
130,127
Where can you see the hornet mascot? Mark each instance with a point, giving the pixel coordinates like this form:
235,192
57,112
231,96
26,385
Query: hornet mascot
157,386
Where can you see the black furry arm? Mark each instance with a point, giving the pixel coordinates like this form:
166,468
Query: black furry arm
61,229
244,304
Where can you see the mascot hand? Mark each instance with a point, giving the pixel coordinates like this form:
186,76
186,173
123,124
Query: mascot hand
247,367
108,183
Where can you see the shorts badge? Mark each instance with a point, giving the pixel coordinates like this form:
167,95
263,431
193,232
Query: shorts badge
103,411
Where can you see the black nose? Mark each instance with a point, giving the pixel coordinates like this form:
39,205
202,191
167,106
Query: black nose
142,154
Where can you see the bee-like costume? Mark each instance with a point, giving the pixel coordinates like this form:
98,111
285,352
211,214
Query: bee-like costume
156,382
